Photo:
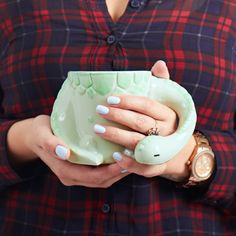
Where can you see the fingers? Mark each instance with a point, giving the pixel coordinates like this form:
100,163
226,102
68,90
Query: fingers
123,137
139,104
139,113
160,70
106,175
52,151
131,119
89,176
55,147
132,166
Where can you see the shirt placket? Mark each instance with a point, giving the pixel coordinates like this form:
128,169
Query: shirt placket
109,48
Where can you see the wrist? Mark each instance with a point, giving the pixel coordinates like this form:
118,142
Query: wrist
201,163
18,137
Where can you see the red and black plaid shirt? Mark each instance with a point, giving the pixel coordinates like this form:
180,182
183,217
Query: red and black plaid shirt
40,41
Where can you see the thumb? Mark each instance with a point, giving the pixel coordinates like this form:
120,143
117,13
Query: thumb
62,152
160,70
56,147
42,139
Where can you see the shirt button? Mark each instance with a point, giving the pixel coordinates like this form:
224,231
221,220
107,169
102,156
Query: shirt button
106,208
135,3
111,39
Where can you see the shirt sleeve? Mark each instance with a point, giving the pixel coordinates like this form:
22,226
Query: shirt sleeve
222,188
8,175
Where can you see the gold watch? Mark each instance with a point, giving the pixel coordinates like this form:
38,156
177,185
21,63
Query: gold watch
201,162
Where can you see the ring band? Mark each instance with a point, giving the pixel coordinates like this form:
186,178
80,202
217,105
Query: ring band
154,131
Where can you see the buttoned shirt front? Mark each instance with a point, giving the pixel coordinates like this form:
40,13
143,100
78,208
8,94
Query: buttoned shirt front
41,41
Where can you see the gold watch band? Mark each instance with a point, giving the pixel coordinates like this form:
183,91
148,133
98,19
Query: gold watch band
202,148
200,140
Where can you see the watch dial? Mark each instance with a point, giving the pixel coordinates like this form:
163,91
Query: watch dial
204,165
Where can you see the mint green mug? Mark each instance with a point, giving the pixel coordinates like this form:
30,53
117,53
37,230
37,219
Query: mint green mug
74,115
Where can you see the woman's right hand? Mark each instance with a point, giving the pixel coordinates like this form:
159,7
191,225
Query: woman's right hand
39,141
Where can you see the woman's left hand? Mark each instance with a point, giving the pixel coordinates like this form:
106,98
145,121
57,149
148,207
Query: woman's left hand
141,114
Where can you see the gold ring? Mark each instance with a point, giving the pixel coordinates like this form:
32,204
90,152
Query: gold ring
154,131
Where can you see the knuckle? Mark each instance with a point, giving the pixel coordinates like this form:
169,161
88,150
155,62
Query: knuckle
134,139
139,122
66,182
172,116
61,175
96,180
147,104
125,101
168,128
147,174
107,185
48,146
115,114
114,133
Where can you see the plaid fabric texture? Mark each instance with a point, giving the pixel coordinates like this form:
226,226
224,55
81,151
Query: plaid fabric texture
40,41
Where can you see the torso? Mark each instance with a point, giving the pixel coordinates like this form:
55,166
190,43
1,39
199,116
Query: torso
116,8
40,41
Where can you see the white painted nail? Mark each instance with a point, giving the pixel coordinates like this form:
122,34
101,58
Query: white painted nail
102,109
113,100
128,152
61,152
99,129
117,156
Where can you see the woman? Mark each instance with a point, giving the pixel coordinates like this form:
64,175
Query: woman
41,192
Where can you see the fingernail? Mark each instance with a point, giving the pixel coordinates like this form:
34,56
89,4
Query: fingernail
61,152
128,152
99,129
102,109
123,171
117,156
113,100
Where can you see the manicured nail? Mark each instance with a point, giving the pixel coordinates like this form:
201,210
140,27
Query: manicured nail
117,156
102,109
99,129
61,152
128,152
113,100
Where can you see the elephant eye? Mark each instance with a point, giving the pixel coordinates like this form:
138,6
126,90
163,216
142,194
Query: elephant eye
156,155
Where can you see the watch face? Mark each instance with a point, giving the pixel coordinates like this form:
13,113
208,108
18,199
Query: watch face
203,166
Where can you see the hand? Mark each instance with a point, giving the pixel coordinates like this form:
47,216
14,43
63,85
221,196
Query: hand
53,152
141,114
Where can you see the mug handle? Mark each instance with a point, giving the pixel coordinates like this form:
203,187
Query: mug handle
159,149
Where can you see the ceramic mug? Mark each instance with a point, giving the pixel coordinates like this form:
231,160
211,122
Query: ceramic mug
74,115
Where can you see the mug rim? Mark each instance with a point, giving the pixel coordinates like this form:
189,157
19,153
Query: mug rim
107,71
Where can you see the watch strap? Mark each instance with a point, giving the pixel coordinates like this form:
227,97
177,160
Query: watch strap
201,141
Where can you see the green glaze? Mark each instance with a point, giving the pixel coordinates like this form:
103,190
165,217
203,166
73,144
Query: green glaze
74,115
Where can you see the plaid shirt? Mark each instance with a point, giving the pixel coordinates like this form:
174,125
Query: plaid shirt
40,41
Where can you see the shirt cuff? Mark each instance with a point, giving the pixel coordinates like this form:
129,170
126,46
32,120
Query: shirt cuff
9,176
221,190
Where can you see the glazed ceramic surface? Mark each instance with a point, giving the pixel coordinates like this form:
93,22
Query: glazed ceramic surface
74,115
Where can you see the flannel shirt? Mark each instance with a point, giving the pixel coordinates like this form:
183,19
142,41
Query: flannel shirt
41,41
